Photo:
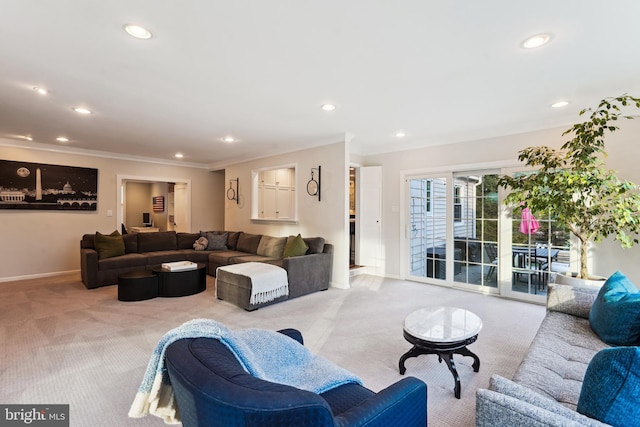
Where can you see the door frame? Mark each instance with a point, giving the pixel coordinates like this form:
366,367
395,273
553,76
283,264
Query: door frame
120,202
504,233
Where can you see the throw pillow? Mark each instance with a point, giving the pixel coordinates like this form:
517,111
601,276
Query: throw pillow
615,314
611,388
110,245
201,244
295,246
217,242
271,247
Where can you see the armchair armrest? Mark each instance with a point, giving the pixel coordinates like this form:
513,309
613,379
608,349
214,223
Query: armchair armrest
402,404
293,333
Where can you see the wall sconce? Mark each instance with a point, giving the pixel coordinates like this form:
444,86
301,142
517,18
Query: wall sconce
233,194
313,186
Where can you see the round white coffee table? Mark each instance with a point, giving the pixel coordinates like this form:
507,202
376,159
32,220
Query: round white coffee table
444,331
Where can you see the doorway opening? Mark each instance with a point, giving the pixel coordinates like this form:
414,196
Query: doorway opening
167,201
352,219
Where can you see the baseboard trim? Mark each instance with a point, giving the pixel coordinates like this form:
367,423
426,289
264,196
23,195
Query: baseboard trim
37,276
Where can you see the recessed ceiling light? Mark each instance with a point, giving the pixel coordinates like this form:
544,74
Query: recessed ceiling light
560,104
82,110
62,139
400,134
536,41
137,31
41,90
179,155
229,139
328,107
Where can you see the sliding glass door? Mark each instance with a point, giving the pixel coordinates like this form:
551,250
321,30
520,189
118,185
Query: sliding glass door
459,234
427,227
475,229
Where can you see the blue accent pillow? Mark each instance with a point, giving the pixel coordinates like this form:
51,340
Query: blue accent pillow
615,314
611,388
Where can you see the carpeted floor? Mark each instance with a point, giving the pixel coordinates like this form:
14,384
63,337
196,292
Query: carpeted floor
62,343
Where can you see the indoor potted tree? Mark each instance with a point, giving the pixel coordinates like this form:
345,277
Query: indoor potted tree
575,188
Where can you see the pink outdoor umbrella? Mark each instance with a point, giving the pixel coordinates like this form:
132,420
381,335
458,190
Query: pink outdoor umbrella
529,224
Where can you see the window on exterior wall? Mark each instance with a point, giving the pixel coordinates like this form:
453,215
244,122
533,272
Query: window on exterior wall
457,203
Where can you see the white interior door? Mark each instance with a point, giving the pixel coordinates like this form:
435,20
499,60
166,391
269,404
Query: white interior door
369,220
181,203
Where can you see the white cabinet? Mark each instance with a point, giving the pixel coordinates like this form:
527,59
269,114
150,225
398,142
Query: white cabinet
276,194
276,177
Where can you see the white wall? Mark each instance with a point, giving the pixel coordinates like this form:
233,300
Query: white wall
38,243
327,218
622,146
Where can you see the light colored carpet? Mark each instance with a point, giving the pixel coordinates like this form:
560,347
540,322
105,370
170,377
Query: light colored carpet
62,343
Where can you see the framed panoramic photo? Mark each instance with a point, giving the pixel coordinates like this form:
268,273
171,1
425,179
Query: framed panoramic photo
39,186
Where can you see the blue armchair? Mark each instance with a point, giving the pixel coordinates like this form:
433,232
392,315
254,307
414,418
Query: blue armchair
212,389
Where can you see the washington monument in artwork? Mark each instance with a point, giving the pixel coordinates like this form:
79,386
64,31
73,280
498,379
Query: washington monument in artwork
38,184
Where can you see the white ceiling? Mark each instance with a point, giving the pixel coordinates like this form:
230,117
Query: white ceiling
442,71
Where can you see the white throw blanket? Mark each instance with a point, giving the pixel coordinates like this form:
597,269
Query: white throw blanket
268,282
267,355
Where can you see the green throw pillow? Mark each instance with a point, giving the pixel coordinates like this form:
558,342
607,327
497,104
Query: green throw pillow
611,388
295,246
110,245
615,314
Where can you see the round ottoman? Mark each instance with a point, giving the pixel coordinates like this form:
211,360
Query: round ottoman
137,286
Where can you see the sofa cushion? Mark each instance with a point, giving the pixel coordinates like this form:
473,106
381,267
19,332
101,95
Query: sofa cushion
130,243
109,246
558,357
158,257
248,243
232,240
316,245
217,242
571,299
219,258
615,314
611,389
186,240
126,261
295,246
271,247
161,241
250,258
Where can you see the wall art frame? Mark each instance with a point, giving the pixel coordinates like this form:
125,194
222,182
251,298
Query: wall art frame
42,186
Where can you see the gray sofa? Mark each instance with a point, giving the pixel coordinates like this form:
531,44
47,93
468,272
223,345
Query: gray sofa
306,273
546,386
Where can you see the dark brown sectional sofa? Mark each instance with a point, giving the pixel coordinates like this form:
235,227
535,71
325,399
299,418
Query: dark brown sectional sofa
307,273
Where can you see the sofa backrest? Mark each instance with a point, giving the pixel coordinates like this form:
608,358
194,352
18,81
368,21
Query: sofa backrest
161,241
208,379
248,242
130,242
186,240
316,245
